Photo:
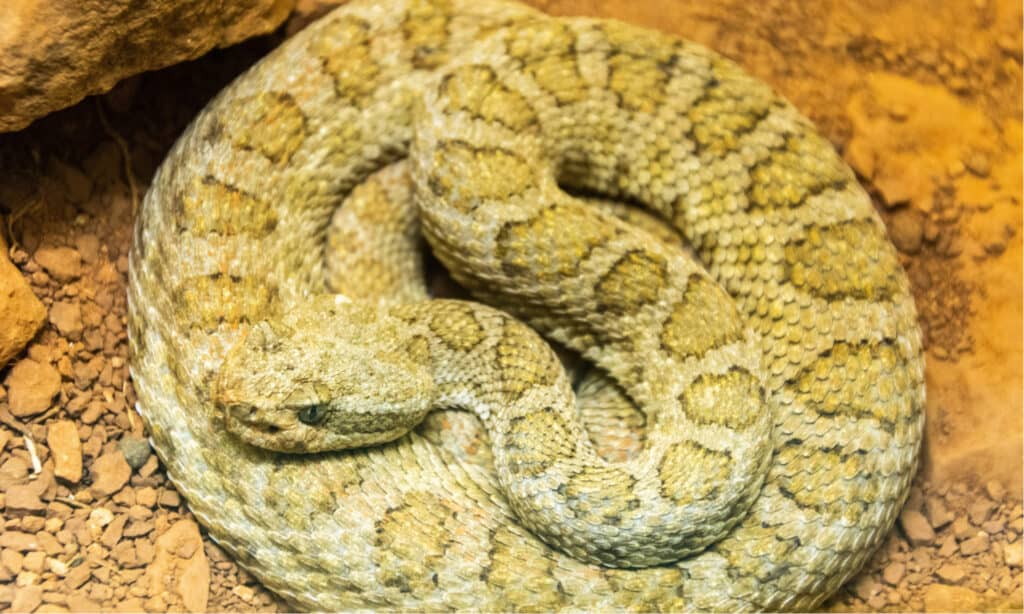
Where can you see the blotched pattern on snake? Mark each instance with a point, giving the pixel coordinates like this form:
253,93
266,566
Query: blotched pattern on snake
786,367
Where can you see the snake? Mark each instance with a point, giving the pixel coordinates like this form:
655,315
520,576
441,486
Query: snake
773,353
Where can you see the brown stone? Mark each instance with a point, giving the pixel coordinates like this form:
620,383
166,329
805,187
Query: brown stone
62,263
52,54
974,545
112,533
66,448
916,527
111,473
188,577
1013,553
906,229
31,387
27,598
937,512
24,498
979,511
21,313
169,498
67,317
77,576
950,573
945,598
17,540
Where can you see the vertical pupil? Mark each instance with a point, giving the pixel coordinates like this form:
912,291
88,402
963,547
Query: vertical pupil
310,414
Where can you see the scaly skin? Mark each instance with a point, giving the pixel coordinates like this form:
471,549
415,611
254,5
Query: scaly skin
229,235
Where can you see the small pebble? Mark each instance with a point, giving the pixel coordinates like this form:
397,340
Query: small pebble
136,451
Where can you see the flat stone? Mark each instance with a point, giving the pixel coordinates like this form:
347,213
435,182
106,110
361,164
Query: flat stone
27,599
113,532
77,576
111,472
1013,553
946,598
937,512
21,313
67,317
893,573
66,448
12,560
31,387
916,527
188,578
169,498
995,489
16,540
974,545
962,528
950,573
979,511
62,263
53,54
23,498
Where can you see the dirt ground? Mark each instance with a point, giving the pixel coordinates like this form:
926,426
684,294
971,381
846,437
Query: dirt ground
922,98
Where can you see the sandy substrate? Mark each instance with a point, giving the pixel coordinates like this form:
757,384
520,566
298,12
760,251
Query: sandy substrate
923,100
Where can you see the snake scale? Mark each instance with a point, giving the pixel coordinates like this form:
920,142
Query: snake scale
785,368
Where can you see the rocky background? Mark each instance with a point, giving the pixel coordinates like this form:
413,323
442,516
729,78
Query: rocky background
922,98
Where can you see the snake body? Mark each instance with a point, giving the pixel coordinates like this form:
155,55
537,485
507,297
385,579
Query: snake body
497,105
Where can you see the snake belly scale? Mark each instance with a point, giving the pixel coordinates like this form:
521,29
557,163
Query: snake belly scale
231,234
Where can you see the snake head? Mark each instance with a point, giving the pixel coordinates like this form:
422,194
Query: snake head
322,378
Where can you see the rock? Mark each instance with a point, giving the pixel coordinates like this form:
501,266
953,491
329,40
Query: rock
979,511
112,534
906,229
66,448
88,246
12,560
23,498
1013,553
62,263
950,573
136,451
110,473
893,573
244,593
99,518
146,496
187,579
169,498
937,512
67,317
866,587
916,527
945,598
974,545
894,189
52,54
995,489
16,540
77,576
27,599
31,387
34,561
21,313
978,163
949,547
962,528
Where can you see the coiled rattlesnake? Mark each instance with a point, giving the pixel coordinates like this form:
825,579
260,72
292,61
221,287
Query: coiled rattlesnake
507,101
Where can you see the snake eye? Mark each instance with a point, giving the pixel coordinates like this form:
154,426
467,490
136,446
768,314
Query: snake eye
312,414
